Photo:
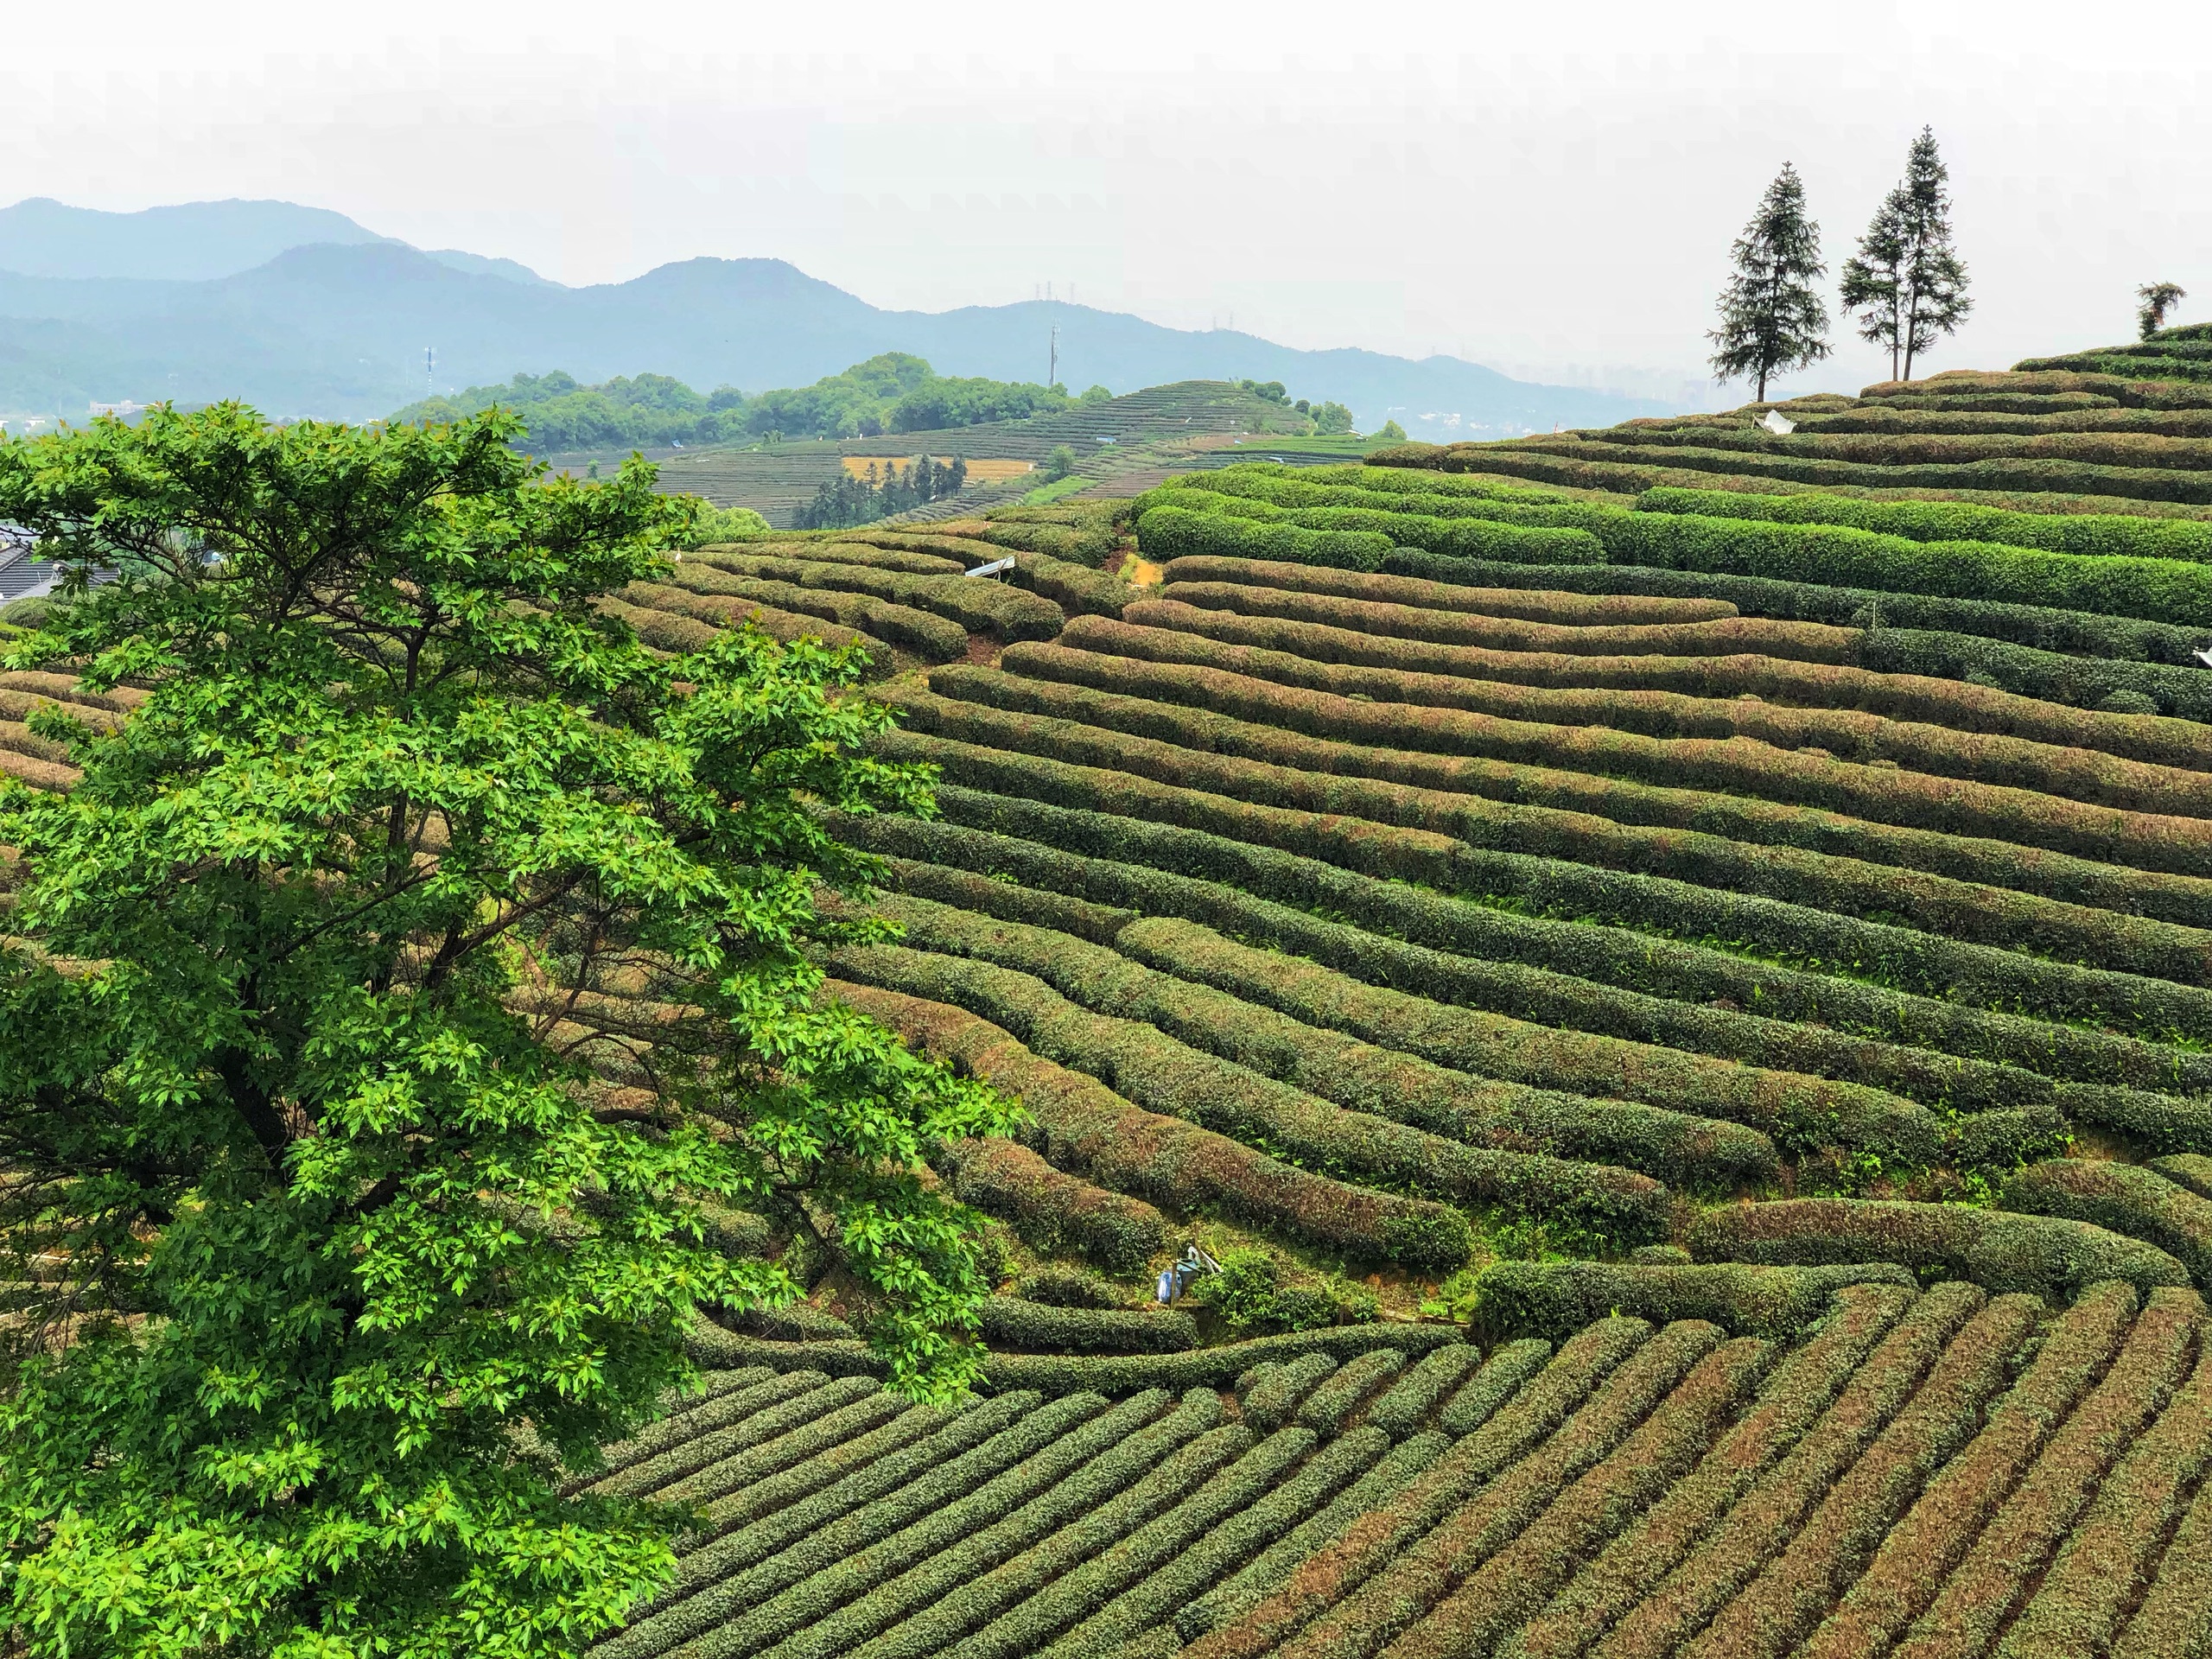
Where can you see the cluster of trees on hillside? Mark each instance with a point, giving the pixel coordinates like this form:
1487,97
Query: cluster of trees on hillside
1329,418
894,391
847,500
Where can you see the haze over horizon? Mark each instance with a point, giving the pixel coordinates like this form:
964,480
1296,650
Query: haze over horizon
1558,208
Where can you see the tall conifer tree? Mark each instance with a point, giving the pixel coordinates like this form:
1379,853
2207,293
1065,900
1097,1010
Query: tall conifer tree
1772,320
1907,281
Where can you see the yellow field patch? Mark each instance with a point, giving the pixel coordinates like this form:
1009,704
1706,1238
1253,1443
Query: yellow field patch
979,472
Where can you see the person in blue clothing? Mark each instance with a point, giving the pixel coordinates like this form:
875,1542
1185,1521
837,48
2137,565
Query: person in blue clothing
1175,1282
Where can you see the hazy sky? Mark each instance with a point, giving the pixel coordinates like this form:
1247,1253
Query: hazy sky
1542,187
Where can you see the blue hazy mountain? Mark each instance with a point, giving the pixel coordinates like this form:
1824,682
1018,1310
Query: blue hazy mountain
197,302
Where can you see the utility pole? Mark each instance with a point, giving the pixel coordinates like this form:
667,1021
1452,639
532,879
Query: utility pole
1053,374
429,366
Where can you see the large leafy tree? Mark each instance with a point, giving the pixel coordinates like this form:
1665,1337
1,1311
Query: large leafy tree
1906,282
2156,300
338,1258
1773,319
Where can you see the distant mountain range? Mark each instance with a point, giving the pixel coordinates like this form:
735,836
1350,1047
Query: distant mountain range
301,311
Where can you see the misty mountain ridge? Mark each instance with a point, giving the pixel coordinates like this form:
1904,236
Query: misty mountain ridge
191,304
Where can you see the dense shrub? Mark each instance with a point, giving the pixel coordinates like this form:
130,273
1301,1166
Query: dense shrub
1372,1543
1483,946
1167,532
1523,1572
1040,1327
1979,1598
934,638
1266,1573
1215,1368
1120,776
912,556
1053,1210
1377,893
2147,827
1484,1395
1331,1406
1478,539
1802,1387
1763,1519
1276,1393
1528,604
1921,1550
2043,1254
1249,1295
2068,654
2093,1584
1526,807
1479,1111
1200,1563
742,1569
978,606
2104,534
1554,1299
960,1545
1580,463
1425,1572
1841,1535
1077,589
2169,1621
1086,1125
1409,1400
1061,1287
2193,1170
2048,755
728,1426
1161,1072
2121,1198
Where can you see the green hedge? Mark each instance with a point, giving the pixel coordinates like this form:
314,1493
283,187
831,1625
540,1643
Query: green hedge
1383,890
746,1420
1263,1576
1199,1564
1278,1388
1167,532
1476,798
1687,896
1248,1101
1009,1324
1478,1111
1409,1400
2069,649
1528,604
2192,1169
935,639
1143,1064
2042,1255
1466,537
2094,534
1329,1407
1078,589
2148,826
1052,1210
1554,1298
1583,464
978,606
1121,1145
1480,943
1964,731
1044,1591
1921,1552
956,1549
1210,1368
2121,1198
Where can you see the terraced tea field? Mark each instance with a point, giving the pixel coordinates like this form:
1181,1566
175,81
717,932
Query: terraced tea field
1686,973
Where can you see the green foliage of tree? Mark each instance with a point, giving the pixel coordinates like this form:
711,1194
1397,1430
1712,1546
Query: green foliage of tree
1772,319
1392,433
2158,298
711,523
355,1260
1330,419
1096,394
1059,464
1907,281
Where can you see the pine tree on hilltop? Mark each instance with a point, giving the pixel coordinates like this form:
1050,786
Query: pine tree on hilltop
1906,282
1772,320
